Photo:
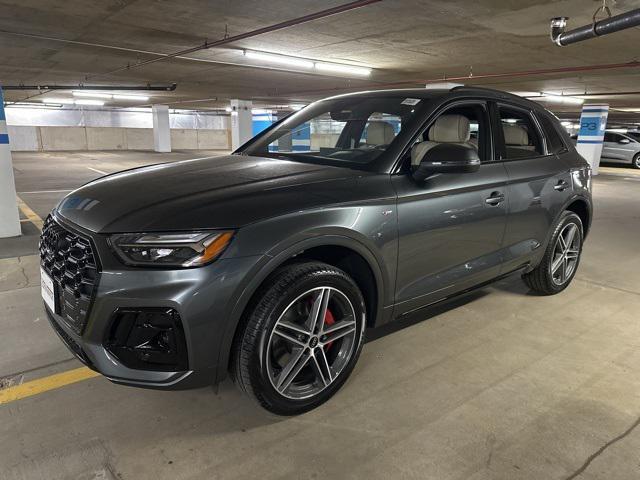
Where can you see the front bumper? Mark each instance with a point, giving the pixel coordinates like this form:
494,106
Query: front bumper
203,298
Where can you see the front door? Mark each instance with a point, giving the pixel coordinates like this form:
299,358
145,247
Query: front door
451,225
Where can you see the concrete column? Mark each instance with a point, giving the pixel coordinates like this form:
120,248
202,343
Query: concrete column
9,216
241,122
161,131
285,143
593,123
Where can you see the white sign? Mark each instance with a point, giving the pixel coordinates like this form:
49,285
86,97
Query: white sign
593,123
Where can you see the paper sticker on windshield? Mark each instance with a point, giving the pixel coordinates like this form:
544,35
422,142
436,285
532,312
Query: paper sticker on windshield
411,101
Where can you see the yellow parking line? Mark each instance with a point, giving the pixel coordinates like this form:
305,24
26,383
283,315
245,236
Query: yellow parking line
44,384
30,214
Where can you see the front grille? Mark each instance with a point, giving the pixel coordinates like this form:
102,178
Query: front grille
70,261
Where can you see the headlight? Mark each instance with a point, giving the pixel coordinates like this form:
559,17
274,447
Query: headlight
189,249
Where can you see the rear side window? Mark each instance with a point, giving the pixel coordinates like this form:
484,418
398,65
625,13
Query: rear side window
554,141
521,137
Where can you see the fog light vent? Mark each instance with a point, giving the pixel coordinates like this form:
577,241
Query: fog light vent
148,339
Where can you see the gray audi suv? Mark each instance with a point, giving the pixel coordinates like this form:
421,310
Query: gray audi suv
271,263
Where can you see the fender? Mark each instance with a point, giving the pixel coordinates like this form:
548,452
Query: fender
571,199
268,264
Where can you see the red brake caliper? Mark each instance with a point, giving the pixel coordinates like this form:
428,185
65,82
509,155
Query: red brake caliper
329,320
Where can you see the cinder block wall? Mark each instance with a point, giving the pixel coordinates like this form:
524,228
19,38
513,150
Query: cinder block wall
26,138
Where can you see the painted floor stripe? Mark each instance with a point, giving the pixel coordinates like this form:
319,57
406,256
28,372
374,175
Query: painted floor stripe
30,214
45,191
97,171
44,384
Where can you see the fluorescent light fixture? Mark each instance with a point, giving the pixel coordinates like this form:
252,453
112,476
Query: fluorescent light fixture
261,111
98,103
63,101
618,130
140,98
307,64
551,97
567,124
511,120
627,109
80,93
280,59
228,109
340,68
296,106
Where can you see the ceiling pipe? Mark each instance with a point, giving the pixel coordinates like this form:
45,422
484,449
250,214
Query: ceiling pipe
271,28
596,29
146,88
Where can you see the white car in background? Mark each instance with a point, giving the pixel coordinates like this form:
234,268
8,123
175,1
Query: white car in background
622,148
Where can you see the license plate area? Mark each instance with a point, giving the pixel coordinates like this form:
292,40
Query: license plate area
48,291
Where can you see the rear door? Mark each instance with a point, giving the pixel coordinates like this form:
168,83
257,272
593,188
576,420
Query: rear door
539,181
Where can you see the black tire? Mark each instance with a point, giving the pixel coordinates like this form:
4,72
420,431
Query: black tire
251,362
541,279
636,161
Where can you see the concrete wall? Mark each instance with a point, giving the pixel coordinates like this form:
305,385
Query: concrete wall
30,138
183,139
105,138
24,138
139,138
63,138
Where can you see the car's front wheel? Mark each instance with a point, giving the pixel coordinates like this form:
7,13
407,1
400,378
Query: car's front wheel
636,160
561,259
300,339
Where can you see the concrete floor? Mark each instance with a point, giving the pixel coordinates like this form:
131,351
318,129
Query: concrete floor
504,386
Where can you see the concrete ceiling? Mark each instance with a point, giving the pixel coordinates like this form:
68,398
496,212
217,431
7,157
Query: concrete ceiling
406,42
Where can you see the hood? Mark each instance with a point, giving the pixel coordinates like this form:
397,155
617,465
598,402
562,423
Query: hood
217,192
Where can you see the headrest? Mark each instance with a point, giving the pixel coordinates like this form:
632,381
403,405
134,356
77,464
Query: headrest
515,135
450,129
380,133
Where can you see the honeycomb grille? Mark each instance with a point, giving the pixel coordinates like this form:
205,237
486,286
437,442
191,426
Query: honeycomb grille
70,261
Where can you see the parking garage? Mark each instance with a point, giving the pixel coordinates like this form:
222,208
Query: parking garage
111,109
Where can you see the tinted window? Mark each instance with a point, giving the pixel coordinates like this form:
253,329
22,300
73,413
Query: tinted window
612,137
634,135
554,142
521,137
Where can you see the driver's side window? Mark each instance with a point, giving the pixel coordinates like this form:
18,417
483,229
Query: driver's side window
466,124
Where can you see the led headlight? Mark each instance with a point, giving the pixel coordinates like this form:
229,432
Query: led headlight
188,249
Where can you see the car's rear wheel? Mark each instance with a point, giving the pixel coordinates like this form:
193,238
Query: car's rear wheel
561,259
636,161
301,338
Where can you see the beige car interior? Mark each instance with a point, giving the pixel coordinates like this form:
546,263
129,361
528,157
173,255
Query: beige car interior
446,129
516,141
380,133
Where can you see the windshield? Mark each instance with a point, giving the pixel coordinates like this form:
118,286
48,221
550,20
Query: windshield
348,131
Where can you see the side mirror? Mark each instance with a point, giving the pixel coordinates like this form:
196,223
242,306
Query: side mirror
447,158
624,141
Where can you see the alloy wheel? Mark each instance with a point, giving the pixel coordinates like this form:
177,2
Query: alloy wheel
566,254
311,342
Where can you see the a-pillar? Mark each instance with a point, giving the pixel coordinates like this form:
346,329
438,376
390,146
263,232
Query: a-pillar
241,122
161,131
9,216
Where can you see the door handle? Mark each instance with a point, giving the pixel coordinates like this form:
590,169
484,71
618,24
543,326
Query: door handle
561,186
496,198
